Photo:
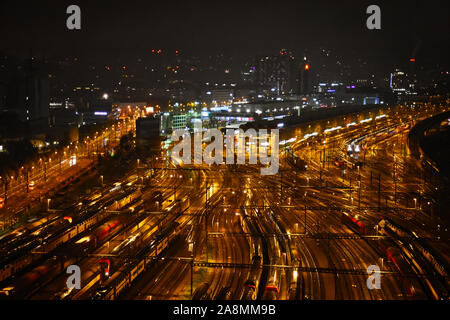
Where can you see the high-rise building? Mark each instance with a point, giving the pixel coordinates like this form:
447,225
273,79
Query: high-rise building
305,86
276,72
412,76
27,92
398,81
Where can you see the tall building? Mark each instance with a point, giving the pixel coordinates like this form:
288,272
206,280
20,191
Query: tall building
412,76
305,86
26,92
37,96
148,133
398,81
276,72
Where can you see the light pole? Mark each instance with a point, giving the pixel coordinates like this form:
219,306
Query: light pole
45,171
48,208
191,250
28,185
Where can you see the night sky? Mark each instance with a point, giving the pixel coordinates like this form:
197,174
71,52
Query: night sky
132,28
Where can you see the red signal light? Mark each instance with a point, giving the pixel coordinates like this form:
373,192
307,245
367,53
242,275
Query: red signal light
306,66
412,60
68,219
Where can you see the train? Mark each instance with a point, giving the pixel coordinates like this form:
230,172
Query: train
201,292
40,275
251,285
355,223
295,291
54,237
400,263
439,265
224,294
271,291
128,272
297,162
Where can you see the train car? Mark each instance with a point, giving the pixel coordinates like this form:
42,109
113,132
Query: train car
224,294
440,266
128,273
392,228
121,247
106,229
26,284
5,272
294,290
154,201
40,274
201,292
300,164
178,206
340,163
295,282
252,283
31,185
105,267
271,291
355,223
297,162
283,240
400,263
254,240
137,270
